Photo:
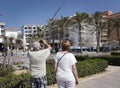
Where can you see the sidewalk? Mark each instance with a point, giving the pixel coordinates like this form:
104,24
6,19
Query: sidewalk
108,79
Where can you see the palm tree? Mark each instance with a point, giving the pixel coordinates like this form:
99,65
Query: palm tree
58,28
5,51
109,26
11,47
52,25
97,19
19,41
40,33
79,19
63,23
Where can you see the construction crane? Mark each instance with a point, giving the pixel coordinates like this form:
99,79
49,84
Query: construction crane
55,13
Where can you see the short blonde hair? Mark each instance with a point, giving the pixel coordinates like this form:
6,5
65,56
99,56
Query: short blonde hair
66,45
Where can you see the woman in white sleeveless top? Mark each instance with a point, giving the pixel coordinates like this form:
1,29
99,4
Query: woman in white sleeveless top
65,69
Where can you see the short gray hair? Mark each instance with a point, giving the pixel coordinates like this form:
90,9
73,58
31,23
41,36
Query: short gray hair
36,45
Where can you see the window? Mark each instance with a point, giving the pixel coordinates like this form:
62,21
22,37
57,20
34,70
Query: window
25,27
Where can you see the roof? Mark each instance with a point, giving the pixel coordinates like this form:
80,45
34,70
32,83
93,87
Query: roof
10,29
115,15
2,24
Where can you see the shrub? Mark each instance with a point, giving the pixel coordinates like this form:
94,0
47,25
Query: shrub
85,68
115,53
6,71
15,81
50,71
89,67
81,58
112,60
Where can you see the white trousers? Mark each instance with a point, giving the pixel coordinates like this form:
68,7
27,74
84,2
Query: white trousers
65,84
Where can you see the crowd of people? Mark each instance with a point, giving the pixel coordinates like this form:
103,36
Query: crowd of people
65,71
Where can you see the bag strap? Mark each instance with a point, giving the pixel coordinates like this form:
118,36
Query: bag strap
59,61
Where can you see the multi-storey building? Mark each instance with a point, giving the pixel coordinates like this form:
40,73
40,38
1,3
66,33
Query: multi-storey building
87,35
113,33
28,31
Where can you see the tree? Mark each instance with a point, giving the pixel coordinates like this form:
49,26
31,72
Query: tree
97,20
52,25
79,19
63,23
109,26
19,41
5,42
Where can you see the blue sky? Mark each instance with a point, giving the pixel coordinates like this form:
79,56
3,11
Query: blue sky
16,13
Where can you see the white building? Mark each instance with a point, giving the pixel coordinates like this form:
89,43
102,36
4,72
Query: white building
27,31
74,35
87,34
11,32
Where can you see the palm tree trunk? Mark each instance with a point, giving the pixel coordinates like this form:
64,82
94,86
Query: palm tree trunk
80,38
109,39
98,39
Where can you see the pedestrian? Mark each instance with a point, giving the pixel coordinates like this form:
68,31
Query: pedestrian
37,66
65,71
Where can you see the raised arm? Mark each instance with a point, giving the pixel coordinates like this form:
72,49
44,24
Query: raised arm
44,42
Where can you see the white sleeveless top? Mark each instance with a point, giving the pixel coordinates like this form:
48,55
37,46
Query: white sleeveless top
64,69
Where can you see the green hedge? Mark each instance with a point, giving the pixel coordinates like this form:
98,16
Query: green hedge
87,67
5,72
50,71
82,58
15,81
112,59
115,53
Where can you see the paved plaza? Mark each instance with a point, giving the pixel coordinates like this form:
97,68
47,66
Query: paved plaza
109,79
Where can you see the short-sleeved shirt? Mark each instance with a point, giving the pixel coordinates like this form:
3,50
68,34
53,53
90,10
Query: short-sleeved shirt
38,62
64,69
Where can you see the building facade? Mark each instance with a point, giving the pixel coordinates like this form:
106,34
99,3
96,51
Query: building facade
114,41
28,31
